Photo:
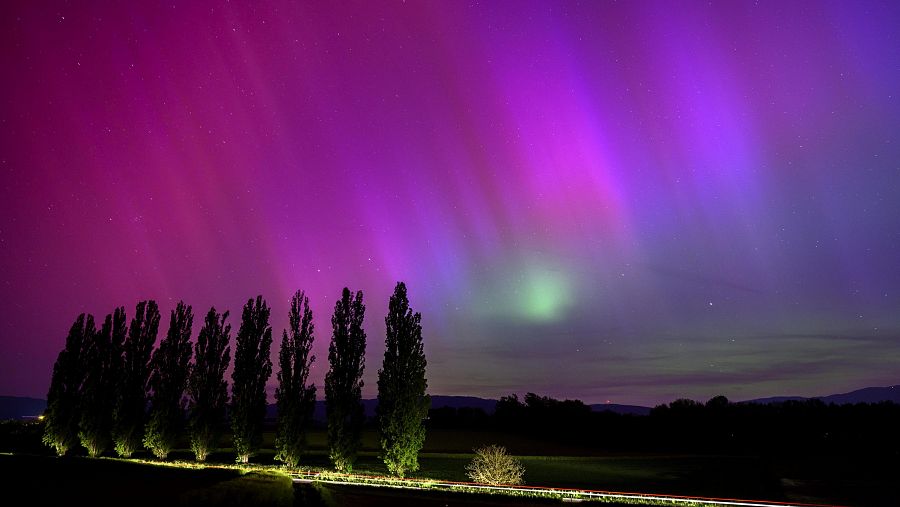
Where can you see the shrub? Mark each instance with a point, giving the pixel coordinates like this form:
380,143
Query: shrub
492,465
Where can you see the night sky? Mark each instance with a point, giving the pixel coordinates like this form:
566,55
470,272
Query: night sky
629,201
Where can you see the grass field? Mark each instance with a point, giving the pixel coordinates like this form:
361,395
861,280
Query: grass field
47,480
821,479
52,481
43,480
827,479
446,454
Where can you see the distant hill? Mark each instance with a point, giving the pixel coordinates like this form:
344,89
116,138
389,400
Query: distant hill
864,395
437,401
463,401
621,409
775,399
16,407
488,405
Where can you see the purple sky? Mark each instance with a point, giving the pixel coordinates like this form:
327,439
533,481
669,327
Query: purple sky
610,201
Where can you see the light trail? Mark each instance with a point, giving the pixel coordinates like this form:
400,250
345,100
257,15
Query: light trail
535,491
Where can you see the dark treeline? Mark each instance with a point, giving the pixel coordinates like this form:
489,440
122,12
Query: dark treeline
792,426
111,390
717,426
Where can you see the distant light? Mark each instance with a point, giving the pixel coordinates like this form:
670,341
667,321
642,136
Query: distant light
41,417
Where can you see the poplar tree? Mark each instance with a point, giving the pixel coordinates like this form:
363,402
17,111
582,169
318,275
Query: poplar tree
343,383
99,391
131,403
252,369
61,418
168,382
402,402
207,387
296,399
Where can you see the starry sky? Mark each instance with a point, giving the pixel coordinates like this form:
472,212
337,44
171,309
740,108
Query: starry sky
611,201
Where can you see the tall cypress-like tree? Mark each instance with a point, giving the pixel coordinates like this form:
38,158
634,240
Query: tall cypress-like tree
402,402
207,386
61,418
252,369
101,384
296,400
168,382
343,383
131,403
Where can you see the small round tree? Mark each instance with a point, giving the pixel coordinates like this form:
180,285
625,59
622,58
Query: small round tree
492,465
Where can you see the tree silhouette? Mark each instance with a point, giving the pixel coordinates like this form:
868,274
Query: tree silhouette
206,385
62,416
343,383
131,409
252,369
99,391
402,402
296,400
168,381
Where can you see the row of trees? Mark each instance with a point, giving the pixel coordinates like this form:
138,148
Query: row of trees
111,389
716,426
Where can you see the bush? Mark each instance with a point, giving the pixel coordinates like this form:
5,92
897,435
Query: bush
492,465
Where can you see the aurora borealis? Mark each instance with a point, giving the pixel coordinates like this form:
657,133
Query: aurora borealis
625,201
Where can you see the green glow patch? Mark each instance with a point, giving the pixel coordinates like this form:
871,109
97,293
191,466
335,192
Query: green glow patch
533,290
544,295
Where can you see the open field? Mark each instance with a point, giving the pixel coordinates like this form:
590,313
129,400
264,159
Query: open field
835,479
844,480
45,480
42,480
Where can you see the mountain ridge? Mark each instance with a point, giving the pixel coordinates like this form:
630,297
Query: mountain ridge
23,407
863,395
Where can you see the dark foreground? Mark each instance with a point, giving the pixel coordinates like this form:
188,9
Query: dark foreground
337,495
50,481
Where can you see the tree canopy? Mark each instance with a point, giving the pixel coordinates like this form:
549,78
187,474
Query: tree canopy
131,401
295,397
168,382
402,402
207,387
343,382
252,369
61,418
103,358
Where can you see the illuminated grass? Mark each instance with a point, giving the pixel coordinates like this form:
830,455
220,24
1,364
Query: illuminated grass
327,476
231,483
527,491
